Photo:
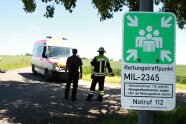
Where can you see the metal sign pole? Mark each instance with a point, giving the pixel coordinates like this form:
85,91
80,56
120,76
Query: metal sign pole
144,116
146,5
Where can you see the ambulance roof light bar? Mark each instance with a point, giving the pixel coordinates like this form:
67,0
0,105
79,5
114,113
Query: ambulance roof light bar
49,37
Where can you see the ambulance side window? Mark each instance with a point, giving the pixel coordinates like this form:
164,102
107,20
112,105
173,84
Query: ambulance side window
39,51
34,52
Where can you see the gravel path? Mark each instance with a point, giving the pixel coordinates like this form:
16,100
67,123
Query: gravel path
29,99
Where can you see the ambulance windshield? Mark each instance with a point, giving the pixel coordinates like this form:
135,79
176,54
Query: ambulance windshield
56,51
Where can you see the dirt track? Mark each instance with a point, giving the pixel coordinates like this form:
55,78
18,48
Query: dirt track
29,99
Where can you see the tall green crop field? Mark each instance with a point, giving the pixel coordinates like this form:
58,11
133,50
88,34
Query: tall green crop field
181,74
9,62
116,66
13,62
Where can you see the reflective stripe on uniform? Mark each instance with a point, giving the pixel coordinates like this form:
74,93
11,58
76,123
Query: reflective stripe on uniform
101,93
91,92
99,74
105,66
101,60
100,67
111,73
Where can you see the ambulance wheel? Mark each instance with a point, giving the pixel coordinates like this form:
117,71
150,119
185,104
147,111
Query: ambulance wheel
47,75
33,70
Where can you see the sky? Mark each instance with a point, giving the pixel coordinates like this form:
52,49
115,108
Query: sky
19,30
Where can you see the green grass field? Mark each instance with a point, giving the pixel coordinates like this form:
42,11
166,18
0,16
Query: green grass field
10,62
176,116
181,74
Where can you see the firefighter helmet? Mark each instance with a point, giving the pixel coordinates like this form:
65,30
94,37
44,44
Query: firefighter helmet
101,49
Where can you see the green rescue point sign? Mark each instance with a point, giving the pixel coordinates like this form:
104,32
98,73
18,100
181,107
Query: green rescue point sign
149,38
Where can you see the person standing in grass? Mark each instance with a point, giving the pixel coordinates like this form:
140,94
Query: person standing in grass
100,63
73,65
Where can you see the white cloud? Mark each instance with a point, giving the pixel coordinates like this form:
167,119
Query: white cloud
35,28
15,34
2,33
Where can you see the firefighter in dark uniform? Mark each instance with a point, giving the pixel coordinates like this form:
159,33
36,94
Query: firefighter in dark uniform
100,63
73,65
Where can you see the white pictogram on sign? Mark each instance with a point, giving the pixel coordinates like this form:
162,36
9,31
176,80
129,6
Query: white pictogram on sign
164,54
133,22
165,23
133,53
149,40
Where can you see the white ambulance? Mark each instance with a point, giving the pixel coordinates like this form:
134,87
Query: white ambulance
49,57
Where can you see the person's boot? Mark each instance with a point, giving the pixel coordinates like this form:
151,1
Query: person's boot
66,97
74,98
100,98
89,97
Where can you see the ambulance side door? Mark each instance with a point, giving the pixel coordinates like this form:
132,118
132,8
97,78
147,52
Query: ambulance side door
38,63
44,59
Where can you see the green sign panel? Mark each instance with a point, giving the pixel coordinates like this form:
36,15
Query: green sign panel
149,38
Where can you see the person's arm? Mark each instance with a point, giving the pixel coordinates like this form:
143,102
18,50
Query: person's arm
81,69
93,62
66,69
109,68
67,65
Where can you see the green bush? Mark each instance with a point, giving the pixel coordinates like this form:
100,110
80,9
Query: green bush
180,74
177,116
87,70
178,78
117,71
183,80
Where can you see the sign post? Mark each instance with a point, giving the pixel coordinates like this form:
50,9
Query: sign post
148,61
